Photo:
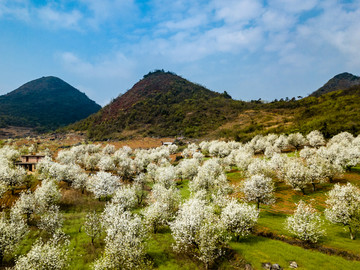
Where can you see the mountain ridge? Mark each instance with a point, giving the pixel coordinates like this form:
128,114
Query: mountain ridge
340,81
162,103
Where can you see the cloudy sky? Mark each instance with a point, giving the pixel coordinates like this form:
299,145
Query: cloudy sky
251,48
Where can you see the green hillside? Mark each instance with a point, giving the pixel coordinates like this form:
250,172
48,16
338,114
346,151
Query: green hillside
45,104
164,104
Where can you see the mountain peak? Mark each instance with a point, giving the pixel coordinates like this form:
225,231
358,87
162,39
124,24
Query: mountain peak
154,84
339,82
45,103
162,104
48,84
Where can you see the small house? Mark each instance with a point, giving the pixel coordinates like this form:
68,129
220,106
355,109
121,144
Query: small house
28,162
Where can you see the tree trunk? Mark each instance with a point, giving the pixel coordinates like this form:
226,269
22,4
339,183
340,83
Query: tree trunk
258,204
303,191
313,185
352,234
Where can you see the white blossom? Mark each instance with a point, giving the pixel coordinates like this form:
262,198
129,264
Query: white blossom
211,178
315,138
92,225
260,189
103,184
51,220
197,230
239,218
295,175
305,223
344,207
296,140
52,254
12,231
47,194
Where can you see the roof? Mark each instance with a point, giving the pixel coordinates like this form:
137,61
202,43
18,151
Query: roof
32,155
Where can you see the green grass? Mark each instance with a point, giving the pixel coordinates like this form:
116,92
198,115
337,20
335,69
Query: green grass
336,236
356,169
257,250
184,189
163,256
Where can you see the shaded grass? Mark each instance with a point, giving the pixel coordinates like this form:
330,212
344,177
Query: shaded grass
184,189
163,256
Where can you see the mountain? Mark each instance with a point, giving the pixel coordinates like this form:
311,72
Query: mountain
339,82
45,104
161,104
164,104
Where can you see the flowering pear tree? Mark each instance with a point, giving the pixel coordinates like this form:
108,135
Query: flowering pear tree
239,218
52,254
109,149
296,140
260,189
305,223
197,230
344,207
165,176
126,197
315,138
26,204
103,184
106,163
46,195
295,175
51,220
316,170
92,226
12,231
210,178
187,168
80,181
12,177
163,209
124,243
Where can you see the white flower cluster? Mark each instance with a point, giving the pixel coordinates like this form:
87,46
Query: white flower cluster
305,223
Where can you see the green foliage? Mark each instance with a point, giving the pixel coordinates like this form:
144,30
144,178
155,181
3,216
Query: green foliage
46,104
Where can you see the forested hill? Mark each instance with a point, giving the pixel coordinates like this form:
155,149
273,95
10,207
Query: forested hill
339,82
45,104
162,104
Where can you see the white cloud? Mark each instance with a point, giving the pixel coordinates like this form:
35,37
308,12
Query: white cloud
17,9
115,66
237,11
293,6
51,16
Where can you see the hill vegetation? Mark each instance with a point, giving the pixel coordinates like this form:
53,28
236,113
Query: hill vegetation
45,104
339,82
164,104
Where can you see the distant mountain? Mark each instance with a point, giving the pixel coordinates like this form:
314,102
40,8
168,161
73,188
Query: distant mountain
339,82
45,104
161,104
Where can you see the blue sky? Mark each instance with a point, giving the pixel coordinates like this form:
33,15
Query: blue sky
251,48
